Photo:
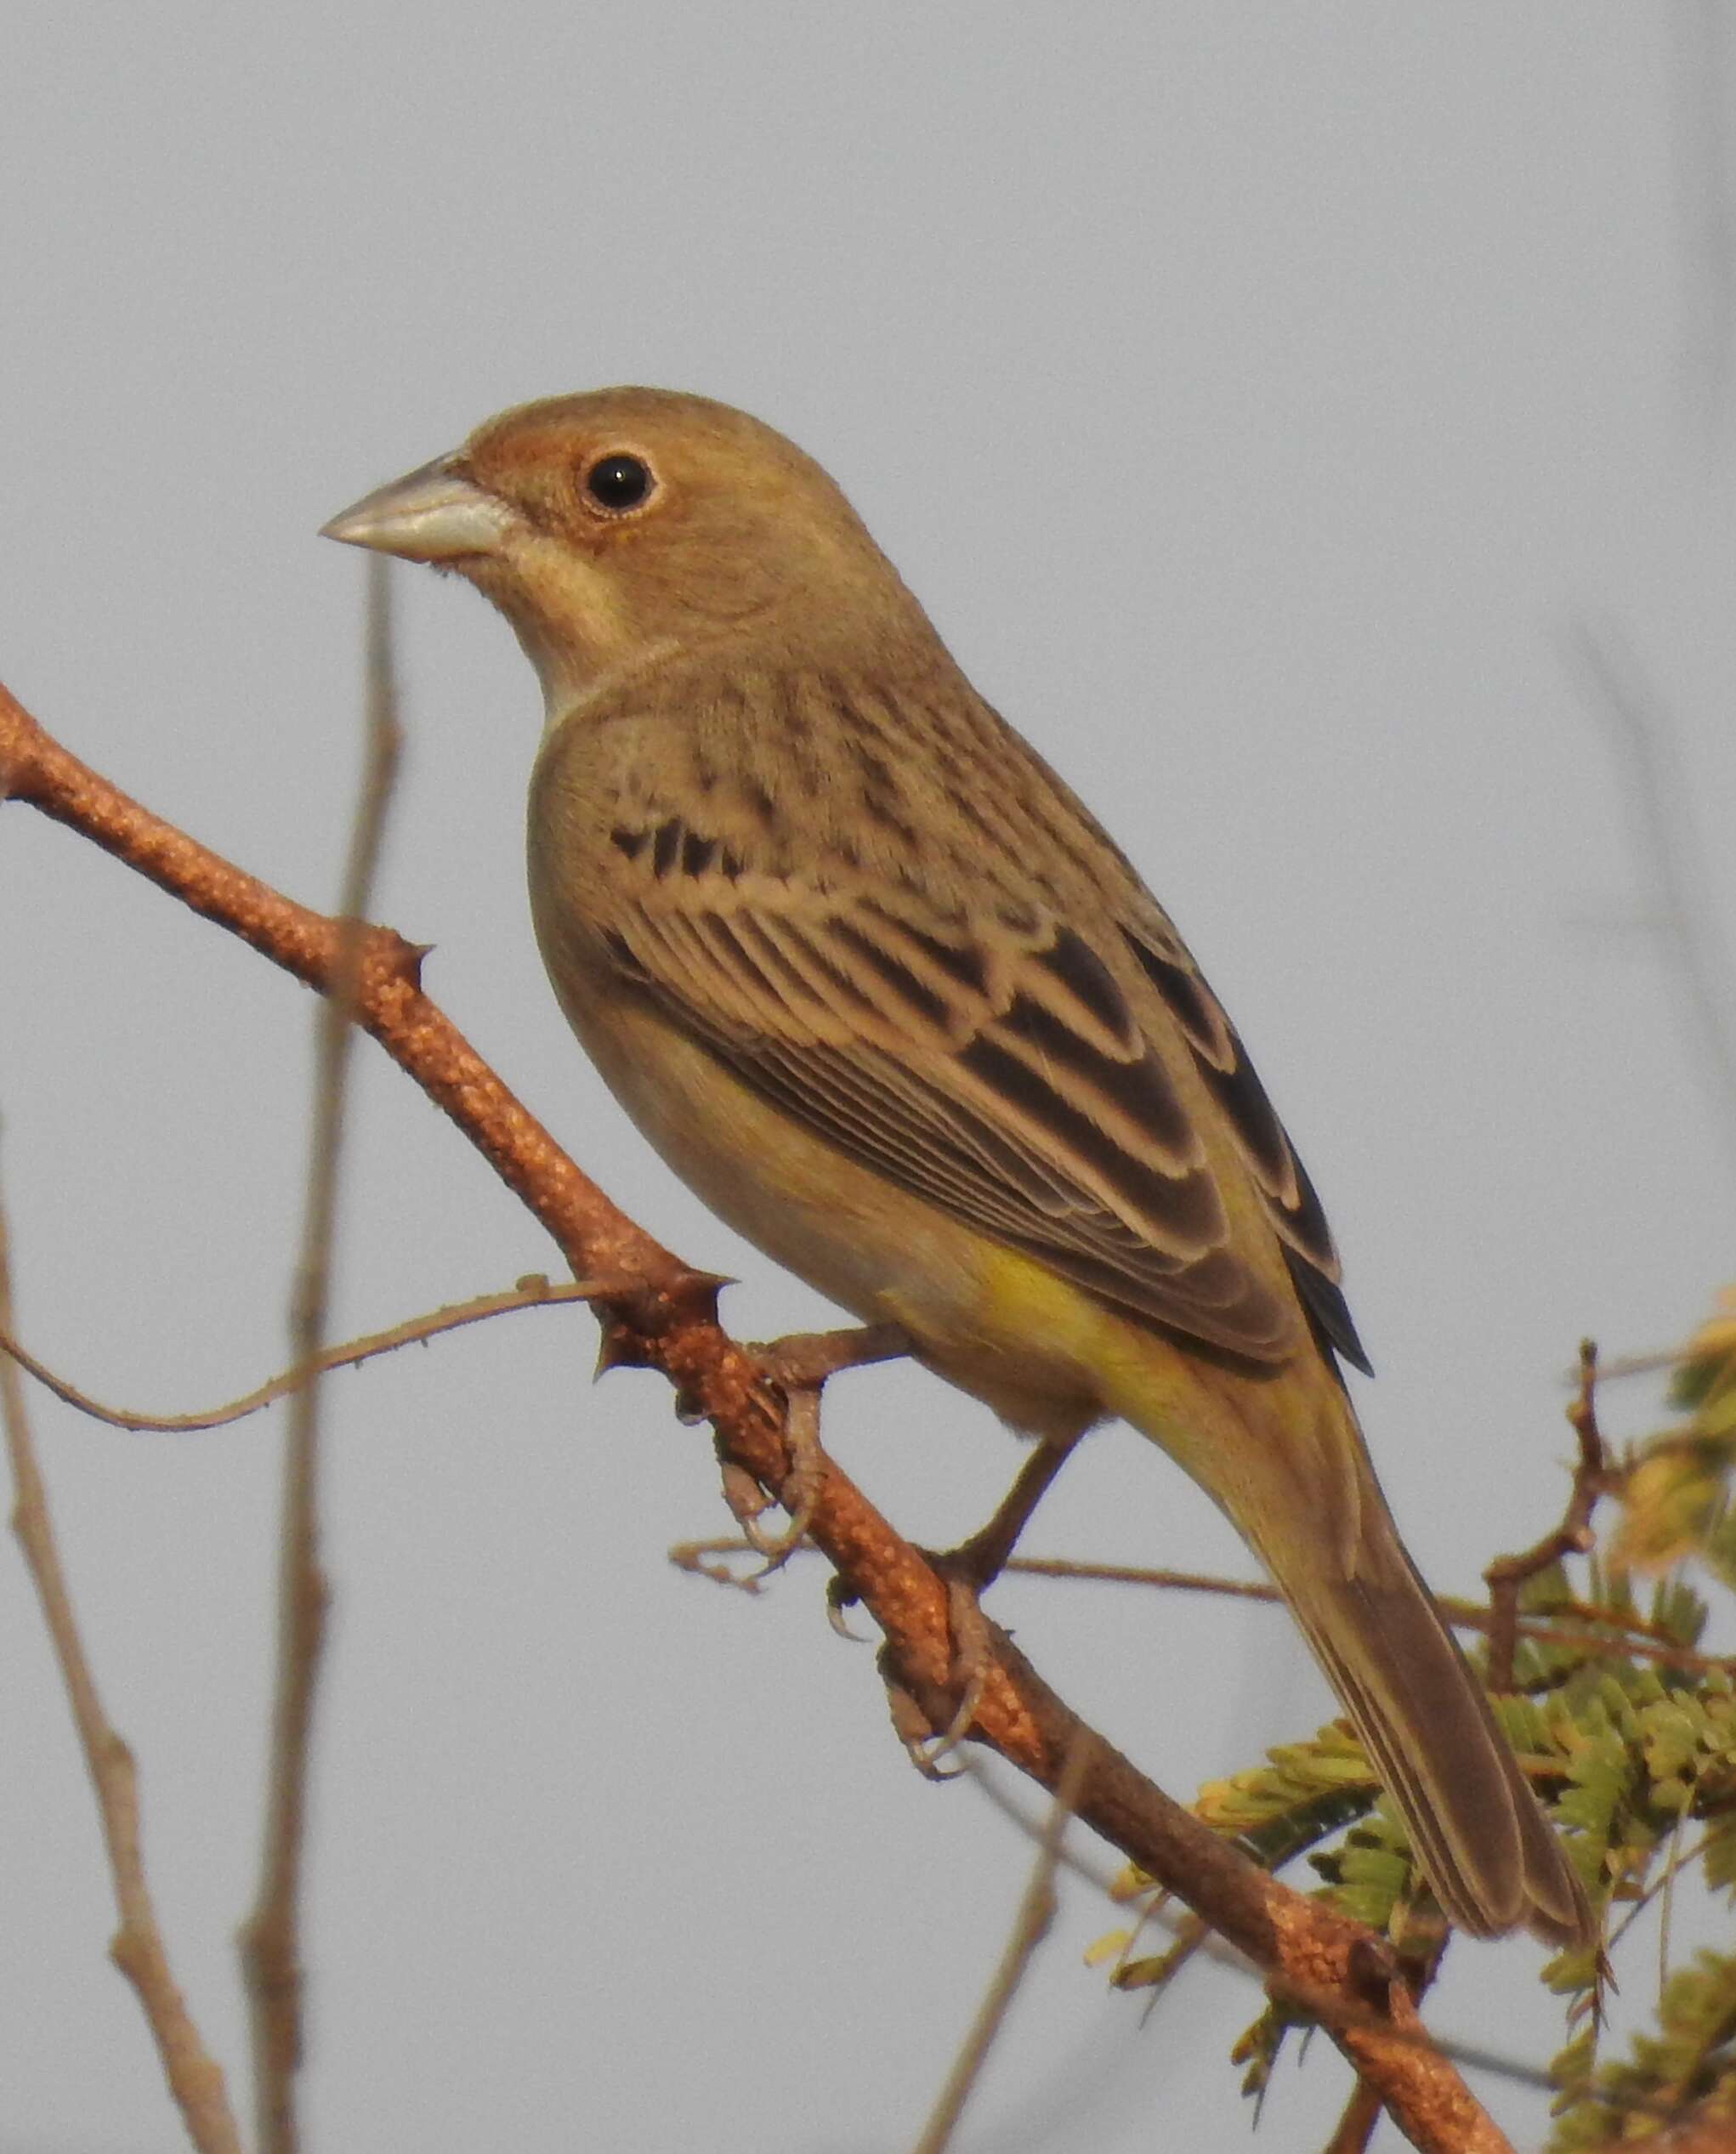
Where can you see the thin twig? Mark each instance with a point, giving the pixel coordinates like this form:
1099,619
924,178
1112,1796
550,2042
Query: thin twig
1571,1537
195,2078
1637,1906
1637,1635
1030,1925
1663,806
1188,1939
1706,211
531,1293
1655,1364
1363,2112
1060,1567
1335,1967
1029,1826
271,1937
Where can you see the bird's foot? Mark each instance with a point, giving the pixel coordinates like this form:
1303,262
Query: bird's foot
798,1367
804,1359
797,1494
928,1744
969,1570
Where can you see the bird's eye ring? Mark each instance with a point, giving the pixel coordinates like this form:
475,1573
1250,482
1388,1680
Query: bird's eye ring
618,482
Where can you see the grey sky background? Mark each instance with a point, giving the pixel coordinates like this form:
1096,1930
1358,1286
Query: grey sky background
1255,396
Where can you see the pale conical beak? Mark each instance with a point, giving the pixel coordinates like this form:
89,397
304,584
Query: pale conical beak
428,515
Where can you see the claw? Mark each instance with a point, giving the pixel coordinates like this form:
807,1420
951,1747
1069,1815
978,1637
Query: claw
747,1501
972,1657
914,1730
972,1660
769,1547
838,1597
794,1369
802,1483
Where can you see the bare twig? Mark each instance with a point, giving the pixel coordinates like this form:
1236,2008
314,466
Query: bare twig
1632,1634
271,1937
1704,78
1655,1364
1030,1925
1356,2127
1663,806
985,1780
530,1293
1659,1886
1571,1537
195,2078
695,1557
1335,1967
1060,1567
1188,1939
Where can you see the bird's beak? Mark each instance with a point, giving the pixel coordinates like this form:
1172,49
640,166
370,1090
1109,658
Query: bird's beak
432,514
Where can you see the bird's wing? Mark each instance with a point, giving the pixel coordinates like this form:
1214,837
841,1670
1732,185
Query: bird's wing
993,1066
1291,1204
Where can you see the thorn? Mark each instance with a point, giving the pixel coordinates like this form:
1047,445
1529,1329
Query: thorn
405,959
694,1293
618,1348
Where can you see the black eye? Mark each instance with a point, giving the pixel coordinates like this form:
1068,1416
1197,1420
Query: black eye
619,481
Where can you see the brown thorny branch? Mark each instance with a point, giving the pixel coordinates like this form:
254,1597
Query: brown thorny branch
662,1315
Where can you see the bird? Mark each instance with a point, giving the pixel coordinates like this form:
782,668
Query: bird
882,990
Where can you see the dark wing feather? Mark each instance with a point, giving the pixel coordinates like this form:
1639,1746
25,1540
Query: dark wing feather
999,1075
1279,1174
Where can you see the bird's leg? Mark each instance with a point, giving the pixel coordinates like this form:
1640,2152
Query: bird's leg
798,1366
969,1570
978,1562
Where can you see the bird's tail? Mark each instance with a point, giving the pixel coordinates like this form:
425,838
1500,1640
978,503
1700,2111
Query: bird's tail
1479,1833
1482,1841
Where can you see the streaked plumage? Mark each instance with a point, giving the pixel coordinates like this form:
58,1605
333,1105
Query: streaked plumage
881,989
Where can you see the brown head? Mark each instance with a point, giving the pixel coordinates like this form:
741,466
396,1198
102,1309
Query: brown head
609,525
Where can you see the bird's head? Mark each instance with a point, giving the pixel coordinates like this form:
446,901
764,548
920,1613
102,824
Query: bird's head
615,524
